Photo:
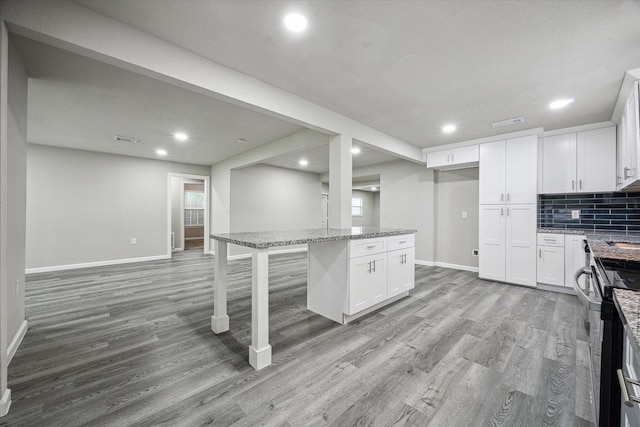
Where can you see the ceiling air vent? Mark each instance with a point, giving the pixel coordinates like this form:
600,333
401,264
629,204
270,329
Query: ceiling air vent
507,122
130,139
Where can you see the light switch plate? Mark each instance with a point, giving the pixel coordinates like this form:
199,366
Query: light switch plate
575,214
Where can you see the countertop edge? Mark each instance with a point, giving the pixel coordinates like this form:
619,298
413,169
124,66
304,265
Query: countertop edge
625,301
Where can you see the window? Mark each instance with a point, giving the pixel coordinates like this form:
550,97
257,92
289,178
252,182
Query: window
193,208
356,206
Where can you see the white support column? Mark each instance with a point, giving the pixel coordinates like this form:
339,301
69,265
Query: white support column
260,350
340,173
220,319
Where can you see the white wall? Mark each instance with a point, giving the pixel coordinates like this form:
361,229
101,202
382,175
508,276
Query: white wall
456,192
271,198
84,207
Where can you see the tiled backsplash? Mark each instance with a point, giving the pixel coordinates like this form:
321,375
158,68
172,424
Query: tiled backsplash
599,212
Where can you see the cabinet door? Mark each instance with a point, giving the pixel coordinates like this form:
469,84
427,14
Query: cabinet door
464,155
378,279
520,244
559,164
632,139
621,149
492,173
401,271
596,160
574,260
359,275
367,281
521,169
438,158
551,265
492,243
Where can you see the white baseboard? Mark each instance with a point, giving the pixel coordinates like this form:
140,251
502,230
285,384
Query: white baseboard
446,265
17,340
273,252
177,249
5,402
94,264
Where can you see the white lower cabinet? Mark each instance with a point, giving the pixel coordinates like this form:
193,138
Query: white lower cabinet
508,243
346,278
551,265
367,282
574,259
401,271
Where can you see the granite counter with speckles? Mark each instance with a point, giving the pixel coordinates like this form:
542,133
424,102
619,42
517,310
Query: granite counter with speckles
268,239
600,247
628,305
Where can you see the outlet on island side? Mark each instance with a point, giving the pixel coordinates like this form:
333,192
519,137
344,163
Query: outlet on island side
474,252
575,214
133,241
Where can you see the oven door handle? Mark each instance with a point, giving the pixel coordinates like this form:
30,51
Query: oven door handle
584,298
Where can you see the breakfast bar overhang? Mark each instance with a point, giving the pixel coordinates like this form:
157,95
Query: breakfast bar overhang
359,250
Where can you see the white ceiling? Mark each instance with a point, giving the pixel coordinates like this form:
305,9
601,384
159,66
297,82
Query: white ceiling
403,67
408,67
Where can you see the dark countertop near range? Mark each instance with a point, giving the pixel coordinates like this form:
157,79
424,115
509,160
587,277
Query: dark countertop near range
628,305
267,239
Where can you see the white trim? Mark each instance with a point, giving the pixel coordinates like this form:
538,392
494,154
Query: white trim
425,263
510,135
271,252
5,403
580,128
456,266
177,249
93,264
17,340
346,318
555,288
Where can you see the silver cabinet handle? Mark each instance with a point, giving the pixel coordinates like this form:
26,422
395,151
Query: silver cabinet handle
508,197
371,246
618,180
573,184
501,212
624,388
369,271
374,265
507,211
540,253
502,197
402,242
580,183
628,173
452,158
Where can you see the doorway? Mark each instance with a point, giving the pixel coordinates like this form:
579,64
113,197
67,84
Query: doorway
188,225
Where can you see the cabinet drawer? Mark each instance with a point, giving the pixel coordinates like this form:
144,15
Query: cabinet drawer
547,239
400,242
362,247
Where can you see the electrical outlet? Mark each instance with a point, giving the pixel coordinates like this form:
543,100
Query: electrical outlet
474,252
133,241
464,214
575,214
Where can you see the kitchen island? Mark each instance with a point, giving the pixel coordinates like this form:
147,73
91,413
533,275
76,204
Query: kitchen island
351,272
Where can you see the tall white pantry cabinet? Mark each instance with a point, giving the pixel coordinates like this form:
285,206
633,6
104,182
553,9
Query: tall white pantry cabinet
508,179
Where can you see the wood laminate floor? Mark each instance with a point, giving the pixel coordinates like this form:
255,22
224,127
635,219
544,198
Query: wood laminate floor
131,345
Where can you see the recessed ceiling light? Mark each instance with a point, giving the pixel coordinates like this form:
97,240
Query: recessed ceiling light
560,103
303,162
180,136
374,188
295,22
161,152
355,150
448,128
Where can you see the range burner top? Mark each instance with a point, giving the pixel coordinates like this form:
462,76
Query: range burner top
621,274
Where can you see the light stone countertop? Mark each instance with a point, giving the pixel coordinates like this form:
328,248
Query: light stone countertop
599,246
628,305
560,231
267,239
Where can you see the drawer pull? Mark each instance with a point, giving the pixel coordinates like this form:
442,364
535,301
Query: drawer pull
371,247
402,242
628,399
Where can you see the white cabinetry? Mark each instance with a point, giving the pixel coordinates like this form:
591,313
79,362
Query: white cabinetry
583,162
629,142
551,261
630,416
507,214
574,259
349,278
453,158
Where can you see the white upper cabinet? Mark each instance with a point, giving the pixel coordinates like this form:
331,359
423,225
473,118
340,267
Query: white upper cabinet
629,139
453,158
508,171
579,162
